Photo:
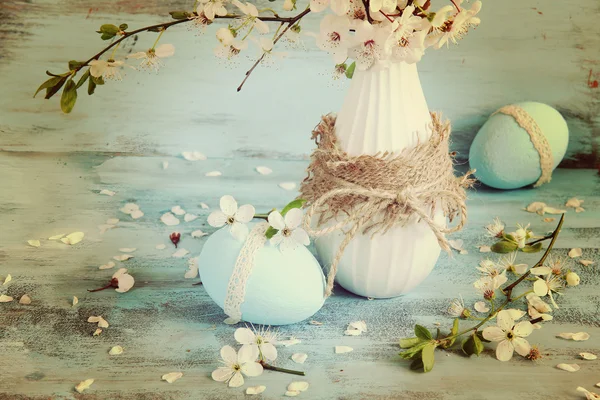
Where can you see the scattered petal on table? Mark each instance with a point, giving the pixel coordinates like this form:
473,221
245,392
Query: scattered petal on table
193,156
315,323
255,389
588,356
177,210
555,211
358,325
172,376
112,221
137,214
288,185
549,219
213,173
198,233
457,244
180,253
352,332
299,357
165,164
25,299
34,243
161,246
116,350
343,349
579,209
104,227
578,337
289,342
97,332
292,393
536,207
589,395
481,306
7,279
586,263
108,265
83,385
56,237
574,202
169,219
485,249
189,217
192,268
5,299
299,386
576,252
568,367
107,192
73,238
127,249
204,206
75,301
128,208
123,257
264,170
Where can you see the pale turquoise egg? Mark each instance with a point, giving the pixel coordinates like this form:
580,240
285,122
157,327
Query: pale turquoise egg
283,288
502,151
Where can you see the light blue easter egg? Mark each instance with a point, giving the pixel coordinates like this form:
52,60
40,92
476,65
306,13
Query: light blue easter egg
503,154
283,288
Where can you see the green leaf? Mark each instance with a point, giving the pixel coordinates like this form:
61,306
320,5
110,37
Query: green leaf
413,352
48,84
60,75
98,80
83,78
472,345
54,89
406,343
417,364
350,70
422,333
69,97
532,249
91,86
298,203
109,29
73,65
454,331
123,27
504,247
478,345
179,14
427,357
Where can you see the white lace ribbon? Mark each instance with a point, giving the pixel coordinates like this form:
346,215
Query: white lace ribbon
236,289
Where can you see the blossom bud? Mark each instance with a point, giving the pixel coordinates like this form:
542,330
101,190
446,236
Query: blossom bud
572,279
288,5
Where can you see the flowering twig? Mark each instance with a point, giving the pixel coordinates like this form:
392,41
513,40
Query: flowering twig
284,370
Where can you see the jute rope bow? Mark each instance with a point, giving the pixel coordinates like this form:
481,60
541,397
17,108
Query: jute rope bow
374,193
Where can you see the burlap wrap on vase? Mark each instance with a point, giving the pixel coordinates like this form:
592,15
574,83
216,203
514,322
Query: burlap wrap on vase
373,193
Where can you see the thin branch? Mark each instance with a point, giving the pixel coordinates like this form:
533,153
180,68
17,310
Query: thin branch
455,5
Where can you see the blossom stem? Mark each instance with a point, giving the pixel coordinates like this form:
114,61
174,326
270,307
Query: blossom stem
261,216
539,240
157,39
99,289
455,5
112,55
387,16
284,370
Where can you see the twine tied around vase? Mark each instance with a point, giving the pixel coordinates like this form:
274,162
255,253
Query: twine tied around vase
371,194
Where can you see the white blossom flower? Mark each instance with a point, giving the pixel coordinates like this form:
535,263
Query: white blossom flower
229,46
487,287
199,22
385,6
261,341
289,233
411,49
588,395
151,59
372,44
509,336
211,8
457,308
334,37
496,228
251,13
508,263
521,235
545,287
454,29
237,364
539,304
340,7
231,215
107,69
124,280
494,271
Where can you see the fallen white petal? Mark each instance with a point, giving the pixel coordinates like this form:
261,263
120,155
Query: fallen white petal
552,210
108,265
536,207
292,393
231,321
204,206
25,299
116,350
123,257
5,299
97,332
463,251
165,164
568,367
56,237
581,336
102,323
189,217
343,349
172,376
579,209
73,238
83,385
586,263
574,202
288,185
180,253
255,389
315,323
7,279
300,386
358,325
299,357
213,173
565,335
177,210
161,246
549,219
481,306
137,214
127,249
169,219
107,192
75,301
264,170
112,221
457,244
485,249
352,332
289,342
34,243
198,233
193,156
588,356
597,384
129,208
105,227
576,252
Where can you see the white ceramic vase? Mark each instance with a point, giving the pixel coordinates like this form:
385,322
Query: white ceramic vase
384,110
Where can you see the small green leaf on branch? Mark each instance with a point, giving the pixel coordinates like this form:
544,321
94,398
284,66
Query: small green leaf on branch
108,31
427,356
298,203
406,343
350,70
504,246
180,14
83,78
422,333
69,97
532,249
